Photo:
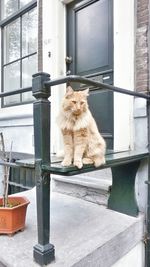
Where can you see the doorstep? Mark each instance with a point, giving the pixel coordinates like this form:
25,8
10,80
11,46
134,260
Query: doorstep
94,186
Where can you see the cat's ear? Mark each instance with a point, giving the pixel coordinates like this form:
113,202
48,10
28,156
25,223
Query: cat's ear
86,92
69,91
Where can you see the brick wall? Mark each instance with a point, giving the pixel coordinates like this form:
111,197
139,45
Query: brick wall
142,54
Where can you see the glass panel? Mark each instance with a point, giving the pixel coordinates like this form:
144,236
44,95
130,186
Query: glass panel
12,41
8,7
92,31
29,32
12,82
24,2
29,67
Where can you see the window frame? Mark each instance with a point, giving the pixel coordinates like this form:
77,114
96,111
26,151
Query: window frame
16,15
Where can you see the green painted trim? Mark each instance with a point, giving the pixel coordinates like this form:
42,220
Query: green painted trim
122,196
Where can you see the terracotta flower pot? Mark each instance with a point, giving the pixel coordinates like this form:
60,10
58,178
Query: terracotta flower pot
13,219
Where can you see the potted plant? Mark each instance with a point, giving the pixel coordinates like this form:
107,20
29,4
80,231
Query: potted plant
12,208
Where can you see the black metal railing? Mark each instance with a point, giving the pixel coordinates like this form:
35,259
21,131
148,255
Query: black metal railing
15,92
80,79
90,82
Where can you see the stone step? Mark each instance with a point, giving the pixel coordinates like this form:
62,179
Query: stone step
84,234
93,187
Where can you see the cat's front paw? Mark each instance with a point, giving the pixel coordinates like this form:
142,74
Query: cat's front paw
66,162
78,164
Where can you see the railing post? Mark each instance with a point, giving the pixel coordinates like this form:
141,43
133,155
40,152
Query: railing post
43,251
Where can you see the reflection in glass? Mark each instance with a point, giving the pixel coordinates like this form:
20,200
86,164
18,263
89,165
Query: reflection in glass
12,41
8,7
12,81
29,67
19,45
24,2
29,32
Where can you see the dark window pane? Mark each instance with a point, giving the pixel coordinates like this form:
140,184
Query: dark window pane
8,7
12,41
29,32
12,81
19,49
29,67
24,2
92,30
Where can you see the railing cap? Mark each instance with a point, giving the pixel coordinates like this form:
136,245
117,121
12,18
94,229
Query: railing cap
39,89
40,73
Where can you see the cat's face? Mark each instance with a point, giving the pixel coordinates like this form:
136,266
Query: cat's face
75,101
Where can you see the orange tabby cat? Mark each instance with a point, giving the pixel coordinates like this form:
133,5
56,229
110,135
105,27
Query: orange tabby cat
83,144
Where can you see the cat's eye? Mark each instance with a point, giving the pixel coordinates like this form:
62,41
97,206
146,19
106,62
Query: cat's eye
74,102
82,102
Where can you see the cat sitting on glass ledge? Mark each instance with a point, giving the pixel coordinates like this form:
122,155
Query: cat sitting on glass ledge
83,144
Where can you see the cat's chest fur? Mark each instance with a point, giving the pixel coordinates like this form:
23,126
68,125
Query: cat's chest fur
75,123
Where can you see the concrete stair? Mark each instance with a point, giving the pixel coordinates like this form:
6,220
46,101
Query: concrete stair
84,234
93,187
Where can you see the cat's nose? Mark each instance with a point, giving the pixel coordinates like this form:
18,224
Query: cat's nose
78,107
77,112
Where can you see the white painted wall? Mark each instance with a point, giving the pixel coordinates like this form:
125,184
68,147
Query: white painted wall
140,123
123,72
16,123
134,258
54,41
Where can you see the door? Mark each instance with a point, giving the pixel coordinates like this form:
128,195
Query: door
90,53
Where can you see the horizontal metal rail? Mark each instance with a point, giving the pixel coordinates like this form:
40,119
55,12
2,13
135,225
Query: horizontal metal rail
87,81
14,92
9,164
